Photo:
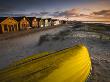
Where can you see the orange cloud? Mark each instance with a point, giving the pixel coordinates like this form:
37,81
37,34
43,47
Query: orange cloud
75,14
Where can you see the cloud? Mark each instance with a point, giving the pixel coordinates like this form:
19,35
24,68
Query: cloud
2,10
40,14
68,13
12,14
34,14
8,10
5,9
102,13
76,14
44,13
37,14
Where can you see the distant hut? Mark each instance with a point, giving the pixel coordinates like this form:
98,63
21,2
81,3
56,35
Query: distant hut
42,22
38,19
49,22
46,22
34,22
63,22
8,24
24,22
52,22
55,22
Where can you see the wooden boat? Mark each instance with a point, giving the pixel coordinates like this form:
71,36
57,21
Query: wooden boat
67,65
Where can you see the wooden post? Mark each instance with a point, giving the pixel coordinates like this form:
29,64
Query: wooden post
8,28
11,28
2,28
21,26
14,27
17,27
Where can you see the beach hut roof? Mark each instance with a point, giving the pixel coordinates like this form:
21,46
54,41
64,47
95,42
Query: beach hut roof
2,19
31,18
20,18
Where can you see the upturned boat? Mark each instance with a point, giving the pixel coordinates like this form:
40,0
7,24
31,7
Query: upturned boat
68,65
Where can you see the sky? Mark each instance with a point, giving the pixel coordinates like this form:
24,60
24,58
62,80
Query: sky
83,10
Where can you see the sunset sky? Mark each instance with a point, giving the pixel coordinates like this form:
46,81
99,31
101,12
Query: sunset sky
84,10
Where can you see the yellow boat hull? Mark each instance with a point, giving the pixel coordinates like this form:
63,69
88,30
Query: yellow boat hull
68,65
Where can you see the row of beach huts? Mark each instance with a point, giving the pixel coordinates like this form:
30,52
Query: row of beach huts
9,24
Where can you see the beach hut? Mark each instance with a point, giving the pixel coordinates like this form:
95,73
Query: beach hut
52,22
8,24
38,19
24,22
56,22
63,22
34,22
49,21
42,22
46,22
